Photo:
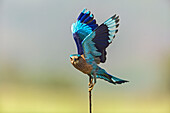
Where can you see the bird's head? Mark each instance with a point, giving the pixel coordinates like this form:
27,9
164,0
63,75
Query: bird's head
74,58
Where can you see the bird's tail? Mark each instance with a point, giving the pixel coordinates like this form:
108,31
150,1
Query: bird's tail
111,79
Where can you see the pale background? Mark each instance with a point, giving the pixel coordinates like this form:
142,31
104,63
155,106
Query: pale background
35,43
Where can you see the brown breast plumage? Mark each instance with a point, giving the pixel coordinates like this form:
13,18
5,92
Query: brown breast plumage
82,65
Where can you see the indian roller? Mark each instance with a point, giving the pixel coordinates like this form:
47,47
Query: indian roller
92,41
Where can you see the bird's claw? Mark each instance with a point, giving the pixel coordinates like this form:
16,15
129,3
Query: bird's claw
90,89
91,85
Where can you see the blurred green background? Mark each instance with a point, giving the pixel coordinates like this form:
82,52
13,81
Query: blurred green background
35,43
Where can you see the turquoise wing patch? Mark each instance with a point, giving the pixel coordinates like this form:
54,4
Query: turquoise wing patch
84,25
90,51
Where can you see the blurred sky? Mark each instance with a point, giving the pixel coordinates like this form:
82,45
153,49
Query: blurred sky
36,41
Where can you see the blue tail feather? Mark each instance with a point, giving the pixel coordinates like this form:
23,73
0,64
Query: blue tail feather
111,79
118,80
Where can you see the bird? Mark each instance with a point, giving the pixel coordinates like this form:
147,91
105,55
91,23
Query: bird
92,40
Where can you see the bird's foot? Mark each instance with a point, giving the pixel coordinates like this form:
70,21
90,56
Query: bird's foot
90,88
91,85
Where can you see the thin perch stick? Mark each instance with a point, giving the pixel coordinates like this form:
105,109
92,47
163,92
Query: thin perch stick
90,104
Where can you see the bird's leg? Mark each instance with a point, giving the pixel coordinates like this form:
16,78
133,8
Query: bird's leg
90,80
94,77
92,84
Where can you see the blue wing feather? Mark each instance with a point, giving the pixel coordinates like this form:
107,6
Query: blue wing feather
81,14
99,37
78,43
87,14
104,35
89,48
92,22
84,26
89,19
93,26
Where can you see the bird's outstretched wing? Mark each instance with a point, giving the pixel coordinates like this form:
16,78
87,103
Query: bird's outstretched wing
84,25
95,44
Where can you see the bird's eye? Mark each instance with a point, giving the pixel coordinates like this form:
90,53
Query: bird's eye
71,58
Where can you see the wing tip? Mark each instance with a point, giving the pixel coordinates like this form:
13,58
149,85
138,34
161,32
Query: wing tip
113,16
117,25
84,10
116,31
